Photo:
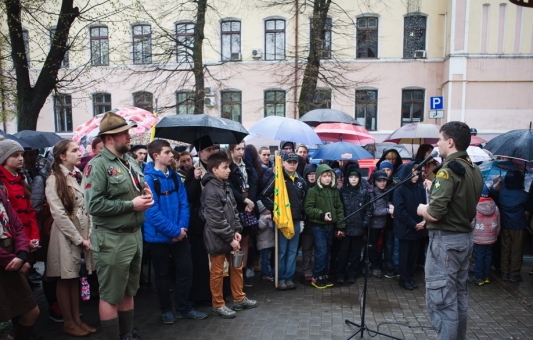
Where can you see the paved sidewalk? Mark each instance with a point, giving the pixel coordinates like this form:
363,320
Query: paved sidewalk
498,310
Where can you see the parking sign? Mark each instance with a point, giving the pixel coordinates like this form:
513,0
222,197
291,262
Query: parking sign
436,103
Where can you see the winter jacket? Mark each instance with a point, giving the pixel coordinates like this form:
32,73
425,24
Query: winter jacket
396,165
170,212
18,237
39,184
406,199
487,222
296,189
219,209
236,180
514,202
321,199
353,198
379,209
265,236
20,203
194,192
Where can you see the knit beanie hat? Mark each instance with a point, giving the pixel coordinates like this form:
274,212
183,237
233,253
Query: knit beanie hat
386,164
261,207
7,148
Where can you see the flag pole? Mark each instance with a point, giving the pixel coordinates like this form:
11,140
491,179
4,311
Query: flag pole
275,237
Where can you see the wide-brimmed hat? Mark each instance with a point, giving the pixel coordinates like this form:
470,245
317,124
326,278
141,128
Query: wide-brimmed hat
113,123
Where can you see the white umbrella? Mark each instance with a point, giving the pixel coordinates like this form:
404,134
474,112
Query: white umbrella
287,129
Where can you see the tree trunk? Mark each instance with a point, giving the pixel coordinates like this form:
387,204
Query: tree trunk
198,66
317,37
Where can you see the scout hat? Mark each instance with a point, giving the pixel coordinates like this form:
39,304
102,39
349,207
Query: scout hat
113,123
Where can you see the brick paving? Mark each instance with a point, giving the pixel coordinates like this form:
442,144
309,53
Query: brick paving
498,310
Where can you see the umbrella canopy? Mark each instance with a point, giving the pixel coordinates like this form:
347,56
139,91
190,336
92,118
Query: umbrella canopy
188,128
477,154
287,129
476,140
18,140
415,133
38,139
86,132
342,151
335,132
319,116
515,144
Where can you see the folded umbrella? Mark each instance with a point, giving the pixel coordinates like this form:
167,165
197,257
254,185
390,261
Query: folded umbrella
342,151
319,116
38,139
287,129
336,132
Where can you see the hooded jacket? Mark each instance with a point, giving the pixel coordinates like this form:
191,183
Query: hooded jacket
322,199
296,189
487,222
169,213
353,198
398,160
513,202
380,208
406,199
219,209
39,183
236,180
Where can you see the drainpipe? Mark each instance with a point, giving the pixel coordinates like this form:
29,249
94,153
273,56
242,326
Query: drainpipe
296,61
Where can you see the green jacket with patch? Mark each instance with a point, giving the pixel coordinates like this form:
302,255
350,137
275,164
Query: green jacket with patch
455,192
110,190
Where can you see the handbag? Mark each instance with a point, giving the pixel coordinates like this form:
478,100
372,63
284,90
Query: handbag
248,219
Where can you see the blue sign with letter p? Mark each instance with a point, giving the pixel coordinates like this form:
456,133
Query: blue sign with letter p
436,103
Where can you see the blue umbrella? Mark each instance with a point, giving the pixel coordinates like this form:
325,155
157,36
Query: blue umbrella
342,151
287,129
492,169
18,140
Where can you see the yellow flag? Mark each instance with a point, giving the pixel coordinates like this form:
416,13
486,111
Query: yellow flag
282,207
152,137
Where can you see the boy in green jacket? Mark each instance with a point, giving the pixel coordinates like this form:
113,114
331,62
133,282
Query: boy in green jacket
323,207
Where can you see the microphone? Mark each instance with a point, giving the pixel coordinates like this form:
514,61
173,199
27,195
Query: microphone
432,155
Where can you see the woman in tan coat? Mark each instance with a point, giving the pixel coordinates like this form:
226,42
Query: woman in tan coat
70,233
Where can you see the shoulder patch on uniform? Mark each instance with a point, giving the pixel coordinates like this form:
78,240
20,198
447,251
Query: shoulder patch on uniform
88,169
443,173
437,185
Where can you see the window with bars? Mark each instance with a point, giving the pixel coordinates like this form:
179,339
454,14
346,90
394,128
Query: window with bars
184,41
144,100
142,44
101,103
99,45
414,41
26,38
412,106
63,113
325,46
322,99
185,103
366,108
231,40
275,39
275,103
65,62
231,105
367,37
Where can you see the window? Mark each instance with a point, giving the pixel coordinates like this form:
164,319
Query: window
101,103
142,44
144,100
412,106
322,99
99,45
274,39
26,38
231,40
63,113
325,47
414,42
366,108
185,103
367,37
231,105
275,103
184,41
65,62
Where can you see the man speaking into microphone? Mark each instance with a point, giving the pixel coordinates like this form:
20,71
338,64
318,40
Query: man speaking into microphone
454,194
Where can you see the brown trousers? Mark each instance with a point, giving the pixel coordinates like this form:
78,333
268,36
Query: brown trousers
217,276
511,248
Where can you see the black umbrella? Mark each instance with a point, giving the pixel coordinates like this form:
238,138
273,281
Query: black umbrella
515,144
318,116
18,140
38,139
188,128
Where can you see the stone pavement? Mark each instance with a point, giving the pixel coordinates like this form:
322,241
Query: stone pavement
498,310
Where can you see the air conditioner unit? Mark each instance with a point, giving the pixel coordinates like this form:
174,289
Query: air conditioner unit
257,53
236,56
420,54
209,90
209,101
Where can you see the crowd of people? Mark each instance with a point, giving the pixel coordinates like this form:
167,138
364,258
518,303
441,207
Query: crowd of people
111,212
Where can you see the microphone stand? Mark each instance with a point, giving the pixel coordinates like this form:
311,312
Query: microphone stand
362,326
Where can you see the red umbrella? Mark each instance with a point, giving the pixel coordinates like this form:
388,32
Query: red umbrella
475,140
335,132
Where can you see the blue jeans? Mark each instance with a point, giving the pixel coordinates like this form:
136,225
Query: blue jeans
323,239
446,282
287,251
266,256
482,260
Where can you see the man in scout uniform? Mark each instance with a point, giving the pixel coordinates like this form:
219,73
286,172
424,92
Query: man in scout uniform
454,194
116,197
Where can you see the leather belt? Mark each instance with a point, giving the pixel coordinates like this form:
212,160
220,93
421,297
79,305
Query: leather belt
118,230
5,242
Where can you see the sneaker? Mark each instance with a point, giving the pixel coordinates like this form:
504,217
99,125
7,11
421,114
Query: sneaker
290,285
505,276
515,278
318,282
377,273
477,282
192,314
327,281
131,336
487,280
282,286
308,277
351,279
224,312
168,318
340,278
244,304
391,274
531,272
247,281
413,283
267,278
34,275
54,313
406,285
249,272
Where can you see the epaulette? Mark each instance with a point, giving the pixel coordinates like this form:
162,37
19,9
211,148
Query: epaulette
457,168
437,168
466,159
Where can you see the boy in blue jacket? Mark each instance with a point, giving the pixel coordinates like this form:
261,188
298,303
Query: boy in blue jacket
165,231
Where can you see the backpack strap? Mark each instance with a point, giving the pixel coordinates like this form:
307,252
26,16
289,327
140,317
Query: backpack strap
157,185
